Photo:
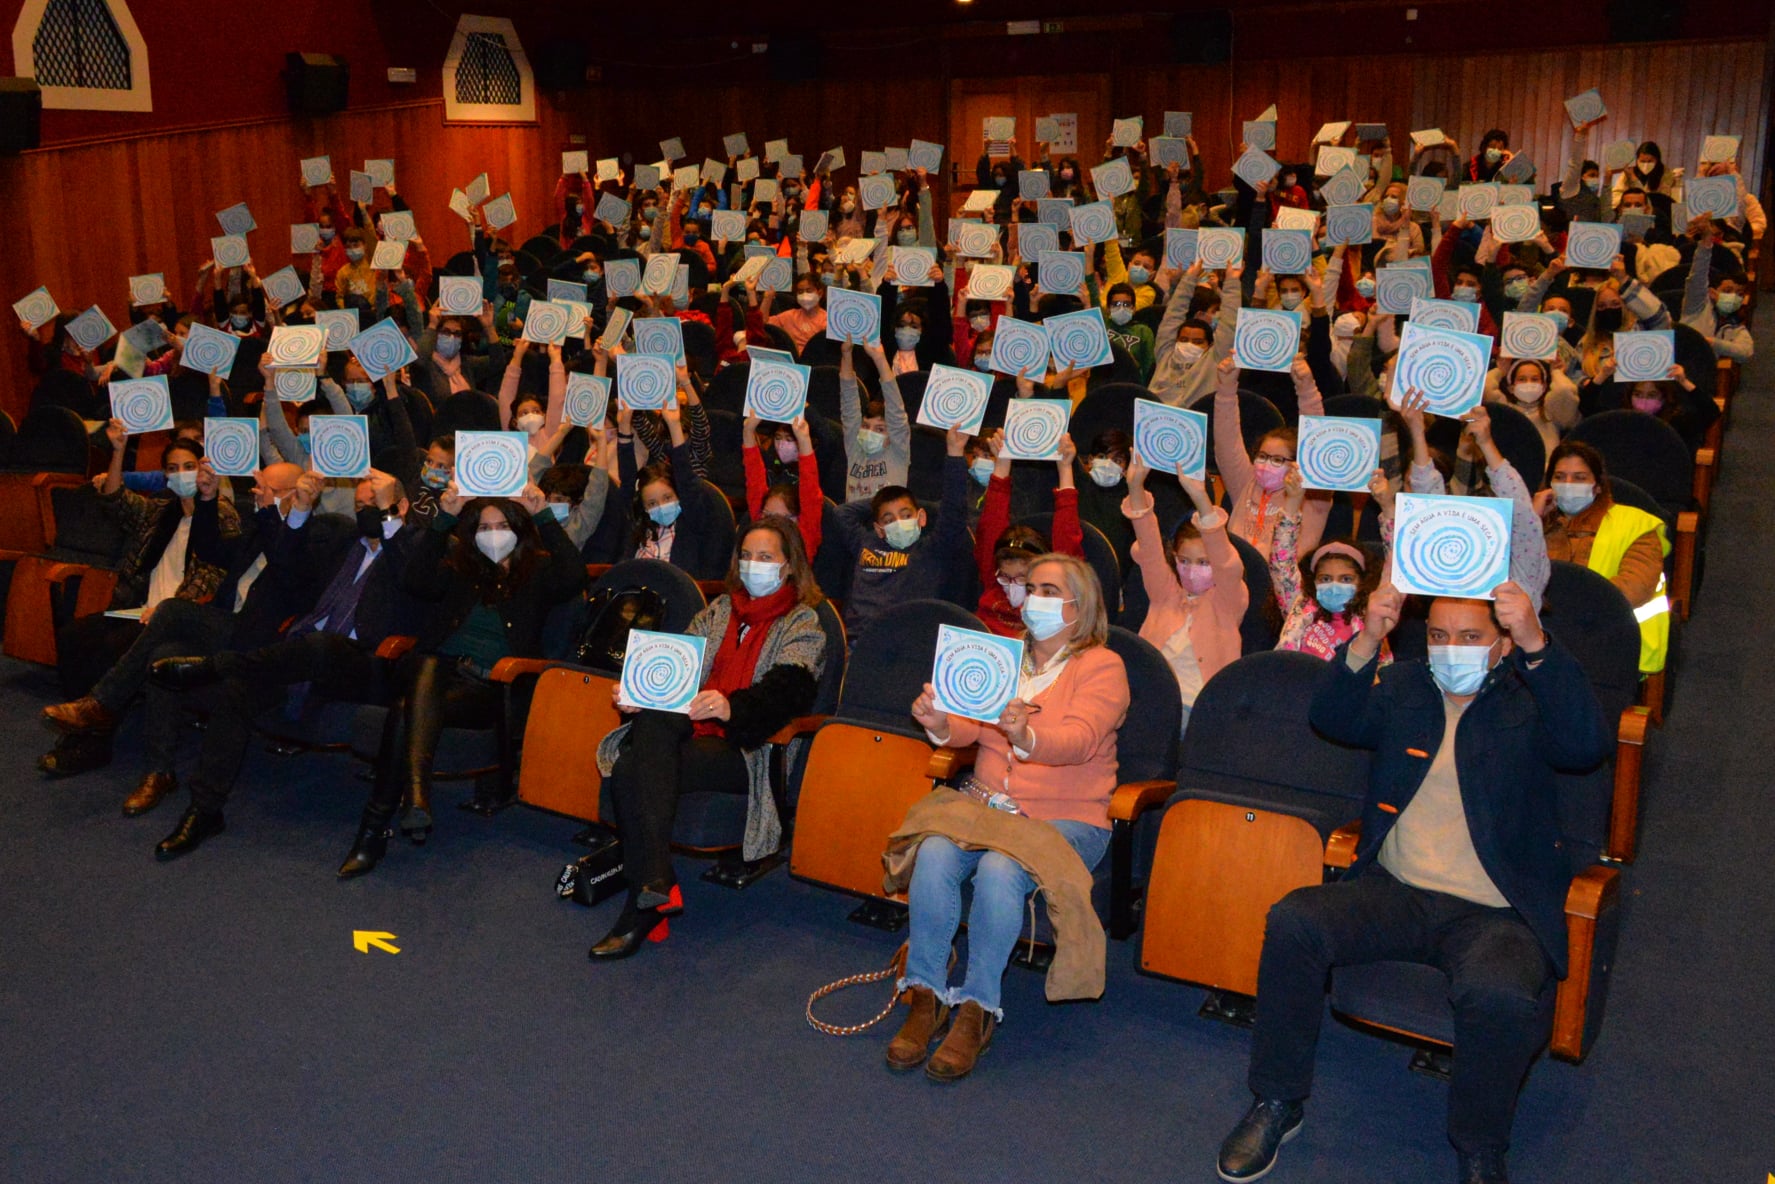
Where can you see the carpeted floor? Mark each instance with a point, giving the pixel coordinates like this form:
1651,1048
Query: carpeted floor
211,1021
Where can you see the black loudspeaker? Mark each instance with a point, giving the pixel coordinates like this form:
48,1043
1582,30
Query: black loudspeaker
793,58
1645,20
561,64
21,115
317,83
1202,38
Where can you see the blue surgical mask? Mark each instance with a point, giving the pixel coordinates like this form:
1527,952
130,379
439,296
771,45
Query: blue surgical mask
327,233
449,345
182,484
1517,288
355,254
871,441
560,510
1365,287
901,533
1466,294
646,231
983,363
240,320
1121,314
359,394
981,470
593,277
761,579
907,338
1291,299
665,513
1332,596
828,278
1460,669
906,238
1573,497
1138,275
1560,320
1044,616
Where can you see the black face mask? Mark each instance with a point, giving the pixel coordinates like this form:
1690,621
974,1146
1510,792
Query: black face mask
1608,319
369,522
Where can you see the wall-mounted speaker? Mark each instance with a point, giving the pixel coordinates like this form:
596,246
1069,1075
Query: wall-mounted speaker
21,115
318,83
1202,38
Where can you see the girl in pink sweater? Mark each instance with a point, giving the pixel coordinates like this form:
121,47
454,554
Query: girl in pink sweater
1254,480
1195,587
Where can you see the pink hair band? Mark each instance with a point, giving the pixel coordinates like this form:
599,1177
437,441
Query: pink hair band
1353,554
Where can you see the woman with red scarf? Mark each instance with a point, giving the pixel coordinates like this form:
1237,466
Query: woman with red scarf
761,668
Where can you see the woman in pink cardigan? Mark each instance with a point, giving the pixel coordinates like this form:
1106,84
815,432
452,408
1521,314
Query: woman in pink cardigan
1053,755
1195,588
1254,481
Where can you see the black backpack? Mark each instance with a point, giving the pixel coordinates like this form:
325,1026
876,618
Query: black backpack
609,616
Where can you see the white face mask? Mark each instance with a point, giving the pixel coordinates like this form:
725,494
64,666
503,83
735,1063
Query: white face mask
1345,326
870,441
497,543
530,421
979,324
808,300
1528,392
761,579
1105,472
1188,352
1015,593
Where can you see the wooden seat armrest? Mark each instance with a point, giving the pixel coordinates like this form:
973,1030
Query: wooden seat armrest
712,588
1135,798
805,725
1703,458
1340,848
1634,727
57,573
1630,740
1592,891
509,670
947,762
594,570
1682,575
1702,487
394,647
7,556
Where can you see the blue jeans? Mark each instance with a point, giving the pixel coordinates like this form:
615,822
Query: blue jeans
994,920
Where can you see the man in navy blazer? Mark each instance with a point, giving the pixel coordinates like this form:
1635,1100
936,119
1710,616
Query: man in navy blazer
1462,863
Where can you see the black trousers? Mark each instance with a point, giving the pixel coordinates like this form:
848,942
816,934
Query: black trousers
176,628
660,760
258,681
439,694
1497,974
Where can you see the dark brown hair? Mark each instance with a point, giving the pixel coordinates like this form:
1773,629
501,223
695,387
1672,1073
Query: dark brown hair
493,583
800,573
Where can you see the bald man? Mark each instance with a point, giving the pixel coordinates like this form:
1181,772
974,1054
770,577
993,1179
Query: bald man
329,649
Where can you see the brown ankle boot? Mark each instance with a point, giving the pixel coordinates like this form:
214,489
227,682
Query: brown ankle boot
970,1034
154,786
912,1044
80,717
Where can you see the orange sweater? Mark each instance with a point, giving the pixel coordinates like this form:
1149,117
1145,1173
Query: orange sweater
1071,771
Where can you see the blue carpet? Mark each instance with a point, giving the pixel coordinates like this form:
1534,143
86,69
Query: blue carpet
210,1021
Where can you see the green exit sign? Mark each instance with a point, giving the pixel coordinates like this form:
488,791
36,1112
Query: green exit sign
1053,26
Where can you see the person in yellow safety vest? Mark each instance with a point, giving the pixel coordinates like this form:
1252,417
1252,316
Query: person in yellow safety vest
1584,524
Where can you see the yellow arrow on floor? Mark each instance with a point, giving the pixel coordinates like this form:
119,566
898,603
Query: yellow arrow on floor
363,939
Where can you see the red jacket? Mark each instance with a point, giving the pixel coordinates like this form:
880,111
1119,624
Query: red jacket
812,507
995,515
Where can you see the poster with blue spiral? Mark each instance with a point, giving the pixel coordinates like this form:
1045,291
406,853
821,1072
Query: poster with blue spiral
622,276
1424,194
547,323
460,295
974,240
1529,335
813,226
1645,356
147,289
1219,246
397,225
1445,314
1256,167
1266,339
1515,223
341,325
727,226
1451,546
974,675
37,309
1055,212
1060,272
661,270
1477,201
662,336
1351,225
877,191
284,287
382,349
1032,184
778,274
231,446
1033,428
911,266
992,282
1093,223
954,398
91,329
1342,188
776,391
1079,340
853,316
236,219
230,250
587,399
142,404
1338,453
646,382
339,446
296,345
1396,288
661,671
1585,108
209,351
1034,239
293,386
1287,252
1180,246
1592,245
1019,349
1448,367
490,464
1112,178
1171,439
922,154
1715,196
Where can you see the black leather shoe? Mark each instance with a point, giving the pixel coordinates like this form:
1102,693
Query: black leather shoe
1483,1167
1250,1151
634,928
182,674
366,851
188,836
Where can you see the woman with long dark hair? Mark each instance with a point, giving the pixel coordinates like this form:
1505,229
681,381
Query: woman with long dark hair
490,569
761,668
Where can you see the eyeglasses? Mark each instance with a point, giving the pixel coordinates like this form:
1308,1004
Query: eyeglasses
1272,458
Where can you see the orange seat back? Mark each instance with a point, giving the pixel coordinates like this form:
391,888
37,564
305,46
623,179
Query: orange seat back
1216,872
569,714
856,789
